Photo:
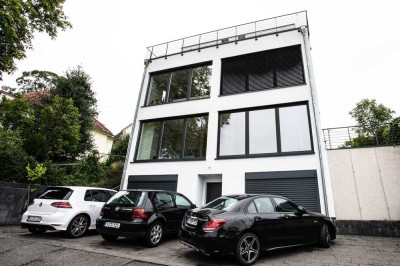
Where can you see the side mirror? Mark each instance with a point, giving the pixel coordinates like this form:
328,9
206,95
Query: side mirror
302,209
193,206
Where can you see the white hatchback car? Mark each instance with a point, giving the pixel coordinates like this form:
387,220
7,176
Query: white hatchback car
66,208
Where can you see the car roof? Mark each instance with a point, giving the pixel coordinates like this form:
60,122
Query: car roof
245,196
80,187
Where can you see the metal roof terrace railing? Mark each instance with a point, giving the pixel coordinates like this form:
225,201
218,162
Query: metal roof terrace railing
252,30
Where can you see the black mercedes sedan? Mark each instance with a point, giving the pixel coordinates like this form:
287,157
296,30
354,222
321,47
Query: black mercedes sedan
245,225
146,214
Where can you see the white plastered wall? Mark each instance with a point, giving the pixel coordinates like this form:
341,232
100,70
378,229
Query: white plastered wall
233,171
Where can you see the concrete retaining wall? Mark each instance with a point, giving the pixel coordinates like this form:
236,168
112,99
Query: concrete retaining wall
366,185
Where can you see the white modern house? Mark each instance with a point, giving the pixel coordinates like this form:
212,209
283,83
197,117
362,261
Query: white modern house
232,111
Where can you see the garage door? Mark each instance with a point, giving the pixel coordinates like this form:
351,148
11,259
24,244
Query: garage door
158,182
299,186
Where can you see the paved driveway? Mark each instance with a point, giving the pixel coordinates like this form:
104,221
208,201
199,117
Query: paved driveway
19,247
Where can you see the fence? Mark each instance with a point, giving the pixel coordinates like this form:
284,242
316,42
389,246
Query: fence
13,201
234,34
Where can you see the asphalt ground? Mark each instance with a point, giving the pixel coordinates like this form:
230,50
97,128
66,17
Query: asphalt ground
19,247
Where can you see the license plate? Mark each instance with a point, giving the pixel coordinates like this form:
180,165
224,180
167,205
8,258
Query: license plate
112,225
34,219
191,221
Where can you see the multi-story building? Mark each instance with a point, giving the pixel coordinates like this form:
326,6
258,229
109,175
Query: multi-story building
232,111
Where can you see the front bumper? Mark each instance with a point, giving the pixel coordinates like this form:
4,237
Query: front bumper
126,229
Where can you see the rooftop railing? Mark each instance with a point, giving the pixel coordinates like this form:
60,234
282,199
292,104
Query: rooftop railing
252,30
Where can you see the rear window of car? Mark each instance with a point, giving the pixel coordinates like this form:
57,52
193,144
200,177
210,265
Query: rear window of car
222,203
133,198
56,193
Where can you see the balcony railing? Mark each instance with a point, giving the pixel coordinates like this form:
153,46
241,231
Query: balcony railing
352,137
235,34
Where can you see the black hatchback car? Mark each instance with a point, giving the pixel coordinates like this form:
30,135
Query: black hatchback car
244,225
146,214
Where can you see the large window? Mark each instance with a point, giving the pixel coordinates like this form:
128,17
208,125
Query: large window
263,70
275,130
180,85
178,138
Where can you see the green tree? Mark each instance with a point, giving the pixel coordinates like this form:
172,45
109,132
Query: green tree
60,127
19,19
76,84
35,174
13,158
371,119
89,170
392,134
17,116
119,149
36,80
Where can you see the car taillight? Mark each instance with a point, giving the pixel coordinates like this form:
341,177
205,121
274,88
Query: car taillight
213,225
139,213
61,204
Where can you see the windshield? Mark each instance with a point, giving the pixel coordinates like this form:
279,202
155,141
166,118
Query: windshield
223,203
56,193
133,198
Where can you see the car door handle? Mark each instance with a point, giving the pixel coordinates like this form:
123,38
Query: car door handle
286,216
92,206
257,218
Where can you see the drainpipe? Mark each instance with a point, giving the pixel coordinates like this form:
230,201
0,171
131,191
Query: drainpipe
146,64
308,57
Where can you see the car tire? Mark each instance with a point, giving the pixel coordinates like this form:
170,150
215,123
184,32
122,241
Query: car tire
324,236
109,237
247,249
36,231
154,234
78,226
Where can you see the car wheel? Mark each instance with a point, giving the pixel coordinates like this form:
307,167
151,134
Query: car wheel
325,237
154,234
247,249
36,231
78,226
109,237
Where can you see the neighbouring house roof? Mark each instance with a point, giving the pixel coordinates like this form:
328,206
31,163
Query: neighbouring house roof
7,94
100,127
123,131
35,96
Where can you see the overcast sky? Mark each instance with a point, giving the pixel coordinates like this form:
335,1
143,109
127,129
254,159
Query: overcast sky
355,47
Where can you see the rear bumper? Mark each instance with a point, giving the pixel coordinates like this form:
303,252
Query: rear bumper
208,243
54,221
38,226
126,229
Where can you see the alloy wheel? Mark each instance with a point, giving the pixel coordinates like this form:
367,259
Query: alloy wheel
155,234
249,249
79,226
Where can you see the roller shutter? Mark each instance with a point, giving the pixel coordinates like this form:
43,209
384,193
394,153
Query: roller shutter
157,182
299,186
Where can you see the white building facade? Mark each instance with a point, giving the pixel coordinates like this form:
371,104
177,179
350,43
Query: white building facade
232,111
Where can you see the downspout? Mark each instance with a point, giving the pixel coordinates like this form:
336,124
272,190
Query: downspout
121,187
307,49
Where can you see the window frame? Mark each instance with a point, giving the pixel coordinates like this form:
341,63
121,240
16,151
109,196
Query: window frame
183,140
277,128
246,88
170,71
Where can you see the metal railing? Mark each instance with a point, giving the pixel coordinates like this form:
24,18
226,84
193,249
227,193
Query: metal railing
252,30
350,137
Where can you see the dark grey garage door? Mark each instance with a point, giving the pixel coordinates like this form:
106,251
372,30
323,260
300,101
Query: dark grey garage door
159,182
299,186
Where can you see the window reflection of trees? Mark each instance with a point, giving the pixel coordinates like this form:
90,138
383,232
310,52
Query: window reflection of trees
180,85
180,138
